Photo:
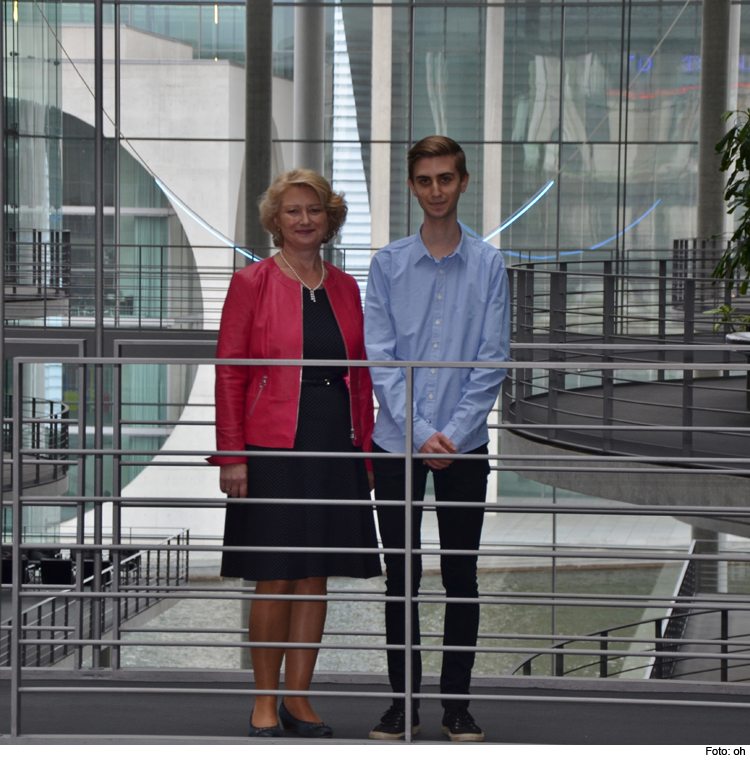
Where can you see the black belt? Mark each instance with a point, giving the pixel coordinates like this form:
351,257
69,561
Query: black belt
323,381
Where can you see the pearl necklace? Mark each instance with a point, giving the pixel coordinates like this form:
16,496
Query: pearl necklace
299,279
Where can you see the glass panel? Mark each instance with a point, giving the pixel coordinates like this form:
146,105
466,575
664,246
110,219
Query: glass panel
449,91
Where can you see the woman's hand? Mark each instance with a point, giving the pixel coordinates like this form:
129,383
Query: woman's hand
233,480
371,479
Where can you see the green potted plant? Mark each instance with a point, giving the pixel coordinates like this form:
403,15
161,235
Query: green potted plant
726,315
734,147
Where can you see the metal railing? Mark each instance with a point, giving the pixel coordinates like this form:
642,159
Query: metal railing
667,628
45,428
616,314
102,594
50,624
144,286
37,264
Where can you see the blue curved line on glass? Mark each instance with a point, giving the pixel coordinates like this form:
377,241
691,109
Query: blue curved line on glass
522,211
469,231
198,219
634,223
595,247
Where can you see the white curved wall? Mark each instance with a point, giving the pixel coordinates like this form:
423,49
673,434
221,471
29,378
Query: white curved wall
185,120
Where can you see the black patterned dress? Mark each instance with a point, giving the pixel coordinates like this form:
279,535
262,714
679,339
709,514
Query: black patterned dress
324,424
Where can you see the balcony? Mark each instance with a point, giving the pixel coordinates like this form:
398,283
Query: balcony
45,429
657,389
37,275
106,700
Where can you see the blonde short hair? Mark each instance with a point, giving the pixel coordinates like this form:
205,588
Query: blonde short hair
270,202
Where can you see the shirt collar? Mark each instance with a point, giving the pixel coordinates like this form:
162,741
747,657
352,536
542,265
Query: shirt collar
420,250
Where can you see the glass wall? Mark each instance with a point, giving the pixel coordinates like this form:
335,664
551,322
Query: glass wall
595,105
598,99
579,123
33,118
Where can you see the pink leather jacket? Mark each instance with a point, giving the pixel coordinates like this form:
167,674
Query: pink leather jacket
262,319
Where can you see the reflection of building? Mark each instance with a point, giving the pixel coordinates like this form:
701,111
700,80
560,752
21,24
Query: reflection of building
623,122
529,90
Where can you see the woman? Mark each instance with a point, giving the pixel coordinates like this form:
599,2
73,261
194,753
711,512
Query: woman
291,306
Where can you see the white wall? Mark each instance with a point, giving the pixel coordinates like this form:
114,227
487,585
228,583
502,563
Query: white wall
167,95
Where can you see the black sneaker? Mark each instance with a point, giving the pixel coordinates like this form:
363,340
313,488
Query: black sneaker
459,725
393,725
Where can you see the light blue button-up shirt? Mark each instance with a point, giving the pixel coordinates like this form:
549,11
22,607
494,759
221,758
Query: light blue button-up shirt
448,310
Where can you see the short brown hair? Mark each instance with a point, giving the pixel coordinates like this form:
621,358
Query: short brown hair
269,204
433,147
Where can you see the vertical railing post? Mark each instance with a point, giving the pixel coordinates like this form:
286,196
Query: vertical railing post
658,647
408,573
36,437
140,286
24,624
525,332
161,287
603,659
687,375
726,356
98,318
554,564
116,555
81,505
559,664
724,645
39,635
97,603
53,634
17,617
557,319
507,387
608,332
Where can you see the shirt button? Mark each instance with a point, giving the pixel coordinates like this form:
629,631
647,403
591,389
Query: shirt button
428,421
440,297
432,397
432,370
437,321
441,271
434,346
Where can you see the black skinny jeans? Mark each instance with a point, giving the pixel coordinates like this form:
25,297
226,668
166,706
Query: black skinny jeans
460,529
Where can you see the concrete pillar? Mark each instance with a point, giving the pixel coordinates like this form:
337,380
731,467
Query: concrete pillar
258,119
309,85
493,121
380,152
735,27
733,59
715,48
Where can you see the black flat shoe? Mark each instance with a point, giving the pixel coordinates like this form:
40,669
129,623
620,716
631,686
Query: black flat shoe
264,732
303,729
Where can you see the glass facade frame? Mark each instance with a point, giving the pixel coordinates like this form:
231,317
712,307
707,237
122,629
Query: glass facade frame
628,115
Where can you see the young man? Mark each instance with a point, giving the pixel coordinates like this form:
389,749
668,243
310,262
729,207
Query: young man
439,295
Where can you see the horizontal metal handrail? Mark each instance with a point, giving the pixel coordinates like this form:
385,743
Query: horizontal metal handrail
491,645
